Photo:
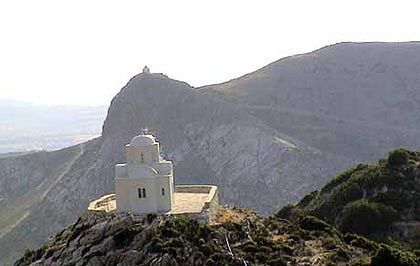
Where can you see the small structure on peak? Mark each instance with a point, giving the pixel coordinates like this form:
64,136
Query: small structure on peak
145,185
146,70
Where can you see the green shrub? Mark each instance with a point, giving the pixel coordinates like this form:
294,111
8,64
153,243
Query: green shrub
172,251
367,218
209,262
329,243
398,157
337,180
250,246
169,232
360,241
285,212
308,198
151,217
156,244
220,258
284,248
175,242
209,248
388,256
312,223
276,262
342,253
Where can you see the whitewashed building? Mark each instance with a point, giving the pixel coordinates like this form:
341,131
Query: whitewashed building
145,183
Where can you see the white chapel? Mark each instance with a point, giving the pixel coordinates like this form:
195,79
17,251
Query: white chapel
144,184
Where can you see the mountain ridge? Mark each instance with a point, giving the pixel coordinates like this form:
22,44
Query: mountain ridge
303,54
239,139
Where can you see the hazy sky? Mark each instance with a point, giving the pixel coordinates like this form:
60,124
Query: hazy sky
83,52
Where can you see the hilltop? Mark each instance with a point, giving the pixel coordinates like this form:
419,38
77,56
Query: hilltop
240,237
380,201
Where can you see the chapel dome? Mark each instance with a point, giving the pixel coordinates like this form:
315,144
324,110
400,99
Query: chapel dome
143,141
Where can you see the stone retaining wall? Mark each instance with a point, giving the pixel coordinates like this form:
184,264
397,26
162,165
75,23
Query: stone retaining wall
105,203
209,212
194,188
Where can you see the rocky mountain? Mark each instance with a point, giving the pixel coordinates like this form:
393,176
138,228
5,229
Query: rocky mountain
27,179
266,138
358,100
380,201
240,237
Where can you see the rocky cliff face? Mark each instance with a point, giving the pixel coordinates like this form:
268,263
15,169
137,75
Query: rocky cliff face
212,141
266,138
358,100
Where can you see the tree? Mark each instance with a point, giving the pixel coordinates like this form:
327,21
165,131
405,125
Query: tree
398,157
367,218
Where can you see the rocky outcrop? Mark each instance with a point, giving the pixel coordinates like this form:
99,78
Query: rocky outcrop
240,238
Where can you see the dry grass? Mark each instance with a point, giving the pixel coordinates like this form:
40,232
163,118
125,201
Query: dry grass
233,215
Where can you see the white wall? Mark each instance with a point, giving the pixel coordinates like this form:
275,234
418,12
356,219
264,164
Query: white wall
128,200
144,169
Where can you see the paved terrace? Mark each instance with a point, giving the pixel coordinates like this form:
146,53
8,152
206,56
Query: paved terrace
187,199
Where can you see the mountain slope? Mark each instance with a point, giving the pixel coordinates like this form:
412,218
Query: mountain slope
240,238
209,140
25,216
266,139
376,200
212,141
357,100
27,179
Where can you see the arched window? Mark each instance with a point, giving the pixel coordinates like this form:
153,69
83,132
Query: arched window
163,191
141,192
142,158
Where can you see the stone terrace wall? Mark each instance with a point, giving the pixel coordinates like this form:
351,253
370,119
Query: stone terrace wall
194,188
207,215
210,208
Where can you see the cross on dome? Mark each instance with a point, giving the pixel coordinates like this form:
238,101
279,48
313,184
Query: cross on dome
144,131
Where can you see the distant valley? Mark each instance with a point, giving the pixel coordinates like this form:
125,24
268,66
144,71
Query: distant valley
26,127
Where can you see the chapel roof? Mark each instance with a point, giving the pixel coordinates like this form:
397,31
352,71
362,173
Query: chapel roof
143,140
